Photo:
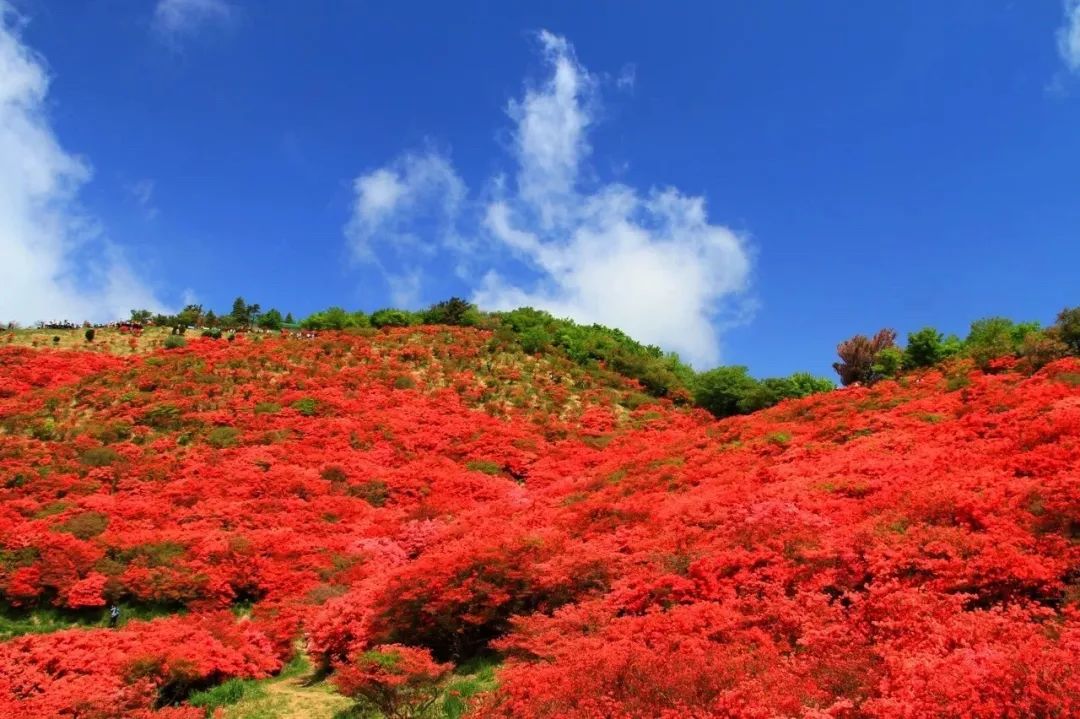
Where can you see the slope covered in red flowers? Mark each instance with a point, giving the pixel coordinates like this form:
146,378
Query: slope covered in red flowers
907,550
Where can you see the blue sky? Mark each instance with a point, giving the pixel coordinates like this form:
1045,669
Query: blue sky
744,182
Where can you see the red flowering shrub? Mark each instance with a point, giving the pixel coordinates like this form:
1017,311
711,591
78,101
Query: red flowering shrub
908,549
400,682
119,673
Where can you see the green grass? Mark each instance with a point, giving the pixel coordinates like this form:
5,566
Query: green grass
470,679
16,621
227,694
485,466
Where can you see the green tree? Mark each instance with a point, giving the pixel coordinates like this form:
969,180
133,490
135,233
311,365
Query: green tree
925,348
334,318
993,337
191,315
888,363
720,390
454,311
289,318
773,390
394,318
271,320
804,384
141,316
240,313
1038,349
1067,328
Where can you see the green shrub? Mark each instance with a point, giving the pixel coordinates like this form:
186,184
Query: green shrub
485,466
16,481
163,416
84,526
154,554
773,390
222,437
1067,328
404,382
888,363
454,311
270,320
1039,349
334,474
267,408
173,342
374,492
112,433
990,338
720,390
44,430
535,332
89,334
306,406
394,318
780,439
99,456
925,348
335,318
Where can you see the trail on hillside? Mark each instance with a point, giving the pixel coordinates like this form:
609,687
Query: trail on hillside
294,697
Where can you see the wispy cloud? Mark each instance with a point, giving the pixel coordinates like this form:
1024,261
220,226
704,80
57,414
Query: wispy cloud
1069,36
142,191
397,207
54,261
550,141
648,261
175,19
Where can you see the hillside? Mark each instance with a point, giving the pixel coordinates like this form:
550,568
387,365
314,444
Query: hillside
451,525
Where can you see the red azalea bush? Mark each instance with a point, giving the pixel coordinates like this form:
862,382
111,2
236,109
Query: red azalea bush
92,673
908,549
401,682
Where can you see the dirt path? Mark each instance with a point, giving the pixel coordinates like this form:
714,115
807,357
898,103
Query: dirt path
291,698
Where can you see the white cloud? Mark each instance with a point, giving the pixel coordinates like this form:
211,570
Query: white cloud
53,262
1069,36
395,208
391,201
652,266
405,288
175,18
142,192
550,139
627,77
648,262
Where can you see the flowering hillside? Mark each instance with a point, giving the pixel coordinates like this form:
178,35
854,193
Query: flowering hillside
401,503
